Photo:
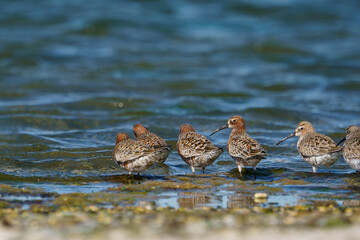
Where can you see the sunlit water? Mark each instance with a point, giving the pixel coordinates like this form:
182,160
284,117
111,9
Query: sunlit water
74,73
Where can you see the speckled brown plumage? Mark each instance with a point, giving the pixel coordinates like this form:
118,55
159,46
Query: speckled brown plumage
315,148
316,144
351,149
149,139
245,151
195,149
134,156
241,145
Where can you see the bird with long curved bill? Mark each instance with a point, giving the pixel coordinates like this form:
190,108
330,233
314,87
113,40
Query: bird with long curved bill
315,148
245,151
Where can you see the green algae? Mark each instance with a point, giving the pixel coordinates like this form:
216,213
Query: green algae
286,181
185,183
268,189
254,187
82,200
4,204
7,190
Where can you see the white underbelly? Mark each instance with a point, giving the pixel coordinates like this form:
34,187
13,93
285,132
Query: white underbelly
323,160
353,163
206,159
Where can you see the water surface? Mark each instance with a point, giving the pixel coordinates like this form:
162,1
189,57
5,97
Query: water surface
74,73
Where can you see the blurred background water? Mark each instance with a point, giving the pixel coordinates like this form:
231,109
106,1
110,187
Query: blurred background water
74,73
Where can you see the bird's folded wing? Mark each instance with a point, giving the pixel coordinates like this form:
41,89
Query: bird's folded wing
318,145
151,139
353,151
245,148
131,153
194,145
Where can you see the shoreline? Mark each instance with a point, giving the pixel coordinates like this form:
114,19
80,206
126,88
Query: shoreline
146,222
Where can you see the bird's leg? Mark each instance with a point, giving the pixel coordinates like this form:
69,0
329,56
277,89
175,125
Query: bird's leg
131,177
203,170
255,173
240,169
254,167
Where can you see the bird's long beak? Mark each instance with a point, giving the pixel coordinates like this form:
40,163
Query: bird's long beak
290,136
341,141
220,128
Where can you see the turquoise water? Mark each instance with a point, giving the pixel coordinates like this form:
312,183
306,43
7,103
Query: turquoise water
74,73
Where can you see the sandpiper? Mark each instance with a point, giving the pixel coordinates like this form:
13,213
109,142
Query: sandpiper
195,149
351,149
151,140
315,148
134,156
245,151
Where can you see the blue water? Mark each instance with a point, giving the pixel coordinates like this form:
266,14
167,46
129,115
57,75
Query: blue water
74,73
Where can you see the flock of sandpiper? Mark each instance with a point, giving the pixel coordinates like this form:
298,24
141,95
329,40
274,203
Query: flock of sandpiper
197,151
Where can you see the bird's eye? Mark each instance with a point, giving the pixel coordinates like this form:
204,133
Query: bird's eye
347,132
301,128
233,121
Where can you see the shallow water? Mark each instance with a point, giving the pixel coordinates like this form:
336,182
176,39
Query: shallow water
74,73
